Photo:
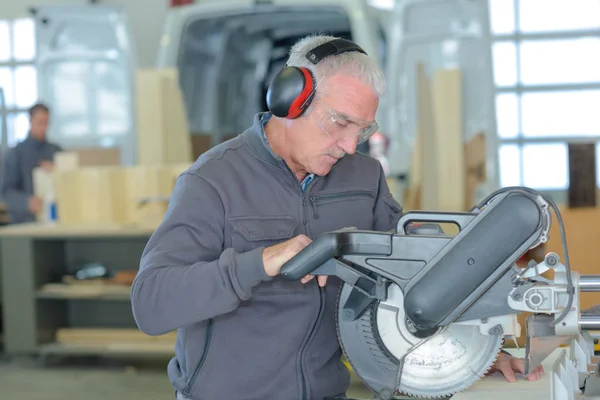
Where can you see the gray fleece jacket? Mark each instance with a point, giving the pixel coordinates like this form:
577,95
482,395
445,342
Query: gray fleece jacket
243,335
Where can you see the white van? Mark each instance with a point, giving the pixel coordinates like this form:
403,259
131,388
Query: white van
227,51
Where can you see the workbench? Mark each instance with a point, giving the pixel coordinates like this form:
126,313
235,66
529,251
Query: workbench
36,303
496,387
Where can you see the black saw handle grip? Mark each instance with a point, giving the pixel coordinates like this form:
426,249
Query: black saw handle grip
336,244
459,219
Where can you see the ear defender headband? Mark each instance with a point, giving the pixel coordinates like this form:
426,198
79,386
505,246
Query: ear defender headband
293,88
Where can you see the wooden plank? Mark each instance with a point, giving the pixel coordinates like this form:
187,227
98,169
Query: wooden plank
178,144
582,175
437,180
66,161
163,135
448,137
149,117
84,291
114,349
427,152
496,387
79,230
97,156
109,335
475,168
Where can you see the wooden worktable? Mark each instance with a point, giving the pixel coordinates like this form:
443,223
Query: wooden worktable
495,387
35,258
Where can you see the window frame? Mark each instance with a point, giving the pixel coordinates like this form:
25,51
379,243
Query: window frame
9,139
517,37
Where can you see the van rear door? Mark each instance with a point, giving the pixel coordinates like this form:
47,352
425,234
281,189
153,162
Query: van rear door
228,51
440,34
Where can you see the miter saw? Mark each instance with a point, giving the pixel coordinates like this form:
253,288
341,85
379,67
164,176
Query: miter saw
425,314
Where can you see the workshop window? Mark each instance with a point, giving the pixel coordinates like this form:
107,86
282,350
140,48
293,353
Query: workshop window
18,76
546,60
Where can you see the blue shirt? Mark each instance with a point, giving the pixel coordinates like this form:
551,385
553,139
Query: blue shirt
308,178
17,186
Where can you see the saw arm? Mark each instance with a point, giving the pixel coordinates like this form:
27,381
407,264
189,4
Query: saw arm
425,313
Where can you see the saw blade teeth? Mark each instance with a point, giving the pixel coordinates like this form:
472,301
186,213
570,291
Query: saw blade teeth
430,374
441,395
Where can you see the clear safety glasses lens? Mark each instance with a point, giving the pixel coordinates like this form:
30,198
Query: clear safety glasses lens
340,127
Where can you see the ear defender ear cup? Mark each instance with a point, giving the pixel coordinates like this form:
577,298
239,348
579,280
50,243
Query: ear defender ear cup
291,92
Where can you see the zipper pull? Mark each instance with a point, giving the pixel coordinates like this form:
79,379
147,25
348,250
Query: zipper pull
314,204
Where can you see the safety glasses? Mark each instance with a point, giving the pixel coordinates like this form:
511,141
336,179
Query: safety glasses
340,126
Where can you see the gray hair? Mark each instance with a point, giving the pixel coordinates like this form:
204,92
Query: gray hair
352,64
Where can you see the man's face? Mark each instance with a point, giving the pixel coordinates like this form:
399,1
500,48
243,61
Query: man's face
39,124
333,127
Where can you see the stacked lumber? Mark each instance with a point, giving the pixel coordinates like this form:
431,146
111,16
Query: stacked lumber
89,185
106,194
445,171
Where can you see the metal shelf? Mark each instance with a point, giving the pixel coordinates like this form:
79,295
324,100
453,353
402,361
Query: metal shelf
112,349
60,291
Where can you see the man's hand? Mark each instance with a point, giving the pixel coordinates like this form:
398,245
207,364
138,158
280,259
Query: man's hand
508,365
275,256
47,166
35,204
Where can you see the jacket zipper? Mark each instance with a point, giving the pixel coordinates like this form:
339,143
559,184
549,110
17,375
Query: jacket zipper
305,199
186,390
314,200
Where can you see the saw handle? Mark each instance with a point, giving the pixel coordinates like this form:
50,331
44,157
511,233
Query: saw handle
459,219
336,244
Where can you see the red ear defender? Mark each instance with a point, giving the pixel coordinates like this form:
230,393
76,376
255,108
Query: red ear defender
290,93
302,101
293,88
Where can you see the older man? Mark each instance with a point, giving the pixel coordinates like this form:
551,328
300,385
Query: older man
35,151
245,208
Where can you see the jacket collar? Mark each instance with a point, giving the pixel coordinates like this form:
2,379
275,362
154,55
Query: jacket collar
256,139
31,141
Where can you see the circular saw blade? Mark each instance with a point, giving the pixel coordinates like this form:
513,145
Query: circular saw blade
450,362
439,366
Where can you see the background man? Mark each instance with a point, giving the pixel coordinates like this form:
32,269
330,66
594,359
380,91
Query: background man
35,151
246,207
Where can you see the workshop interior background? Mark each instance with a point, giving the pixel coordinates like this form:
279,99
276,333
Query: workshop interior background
494,94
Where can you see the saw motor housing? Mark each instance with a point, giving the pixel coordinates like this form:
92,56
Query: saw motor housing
435,284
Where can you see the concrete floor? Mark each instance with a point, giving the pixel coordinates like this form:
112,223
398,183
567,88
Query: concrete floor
95,379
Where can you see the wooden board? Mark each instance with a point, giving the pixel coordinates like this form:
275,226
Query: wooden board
428,146
97,156
163,135
79,230
66,161
437,176
582,175
496,387
449,148
138,195
91,194
84,291
108,335
43,187
475,169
